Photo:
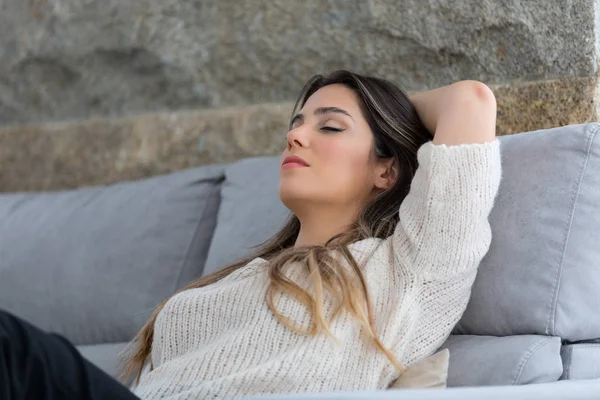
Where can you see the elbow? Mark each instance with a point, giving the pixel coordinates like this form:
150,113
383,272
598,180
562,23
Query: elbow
484,93
479,91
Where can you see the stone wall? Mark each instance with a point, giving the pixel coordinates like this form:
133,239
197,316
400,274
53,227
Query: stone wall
99,91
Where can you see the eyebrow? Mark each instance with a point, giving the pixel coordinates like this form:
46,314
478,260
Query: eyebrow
321,111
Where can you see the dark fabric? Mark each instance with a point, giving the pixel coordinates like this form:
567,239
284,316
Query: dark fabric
46,366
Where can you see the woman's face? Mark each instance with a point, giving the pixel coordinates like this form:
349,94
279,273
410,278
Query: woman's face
331,135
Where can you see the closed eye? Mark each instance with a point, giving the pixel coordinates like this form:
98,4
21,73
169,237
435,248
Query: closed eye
329,128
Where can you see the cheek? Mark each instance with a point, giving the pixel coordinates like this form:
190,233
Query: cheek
344,161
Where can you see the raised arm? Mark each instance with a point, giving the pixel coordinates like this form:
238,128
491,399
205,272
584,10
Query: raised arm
464,112
443,227
443,230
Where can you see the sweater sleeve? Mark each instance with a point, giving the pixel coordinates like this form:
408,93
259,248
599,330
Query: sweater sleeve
443,227
440,239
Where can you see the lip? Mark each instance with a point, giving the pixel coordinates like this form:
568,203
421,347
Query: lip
294,161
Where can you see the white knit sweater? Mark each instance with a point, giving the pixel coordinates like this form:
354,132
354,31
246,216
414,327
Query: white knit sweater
222,342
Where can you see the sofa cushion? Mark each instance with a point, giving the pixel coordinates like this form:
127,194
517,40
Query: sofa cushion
104,356
510,360
542,272
250,213
92,263
581,361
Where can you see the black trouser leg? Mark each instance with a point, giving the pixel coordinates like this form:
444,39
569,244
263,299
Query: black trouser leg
45,366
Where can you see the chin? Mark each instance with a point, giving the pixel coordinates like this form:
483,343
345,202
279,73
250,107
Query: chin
291,195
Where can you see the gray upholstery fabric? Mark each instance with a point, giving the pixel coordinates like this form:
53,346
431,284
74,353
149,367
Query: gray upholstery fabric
250,213
581,361
92,263
542,272
510,360
562,390
104,356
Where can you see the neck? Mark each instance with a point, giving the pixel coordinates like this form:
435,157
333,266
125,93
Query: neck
320,225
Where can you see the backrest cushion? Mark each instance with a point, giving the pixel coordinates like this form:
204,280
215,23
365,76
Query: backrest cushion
542,272
92,263
250,213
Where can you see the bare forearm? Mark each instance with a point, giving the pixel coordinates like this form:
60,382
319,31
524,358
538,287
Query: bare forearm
432,103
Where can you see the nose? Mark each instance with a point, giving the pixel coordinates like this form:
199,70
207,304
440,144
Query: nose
298,137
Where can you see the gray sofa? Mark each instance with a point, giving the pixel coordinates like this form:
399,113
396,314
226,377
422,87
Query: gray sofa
91,263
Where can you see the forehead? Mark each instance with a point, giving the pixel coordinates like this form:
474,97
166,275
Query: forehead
335,95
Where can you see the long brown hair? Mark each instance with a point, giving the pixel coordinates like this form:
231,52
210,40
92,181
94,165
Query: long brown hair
397,132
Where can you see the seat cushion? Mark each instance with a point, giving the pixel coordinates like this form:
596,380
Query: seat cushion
250,213
541,274
510,360
581,361
99,259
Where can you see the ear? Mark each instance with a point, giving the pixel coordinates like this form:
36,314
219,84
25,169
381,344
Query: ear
386,173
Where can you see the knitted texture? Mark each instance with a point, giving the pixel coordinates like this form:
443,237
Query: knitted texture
221,341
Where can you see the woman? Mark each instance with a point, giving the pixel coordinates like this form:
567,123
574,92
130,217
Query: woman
370,274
